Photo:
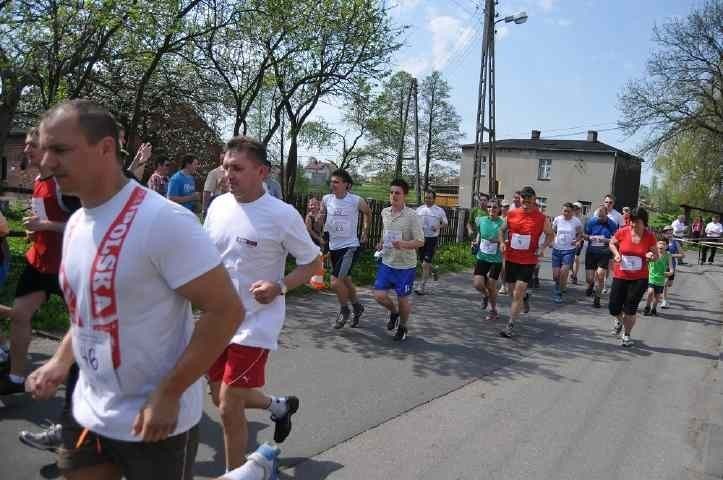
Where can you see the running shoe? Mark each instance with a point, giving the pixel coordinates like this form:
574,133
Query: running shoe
664,304
48,439
419,292
492,315
526,303
283,423
596,302
358,311
8,387
393,321
502,290
605,291
646,312
625,341
617,329
508,332
557,298
342,318
401,334
654,312
485,302
266,457
588,290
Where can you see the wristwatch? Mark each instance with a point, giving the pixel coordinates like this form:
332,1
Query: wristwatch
283,287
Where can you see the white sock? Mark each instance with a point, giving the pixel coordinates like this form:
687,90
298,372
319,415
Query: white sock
278,407
17,378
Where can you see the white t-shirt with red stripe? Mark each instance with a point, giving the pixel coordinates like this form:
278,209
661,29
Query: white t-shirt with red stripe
122,262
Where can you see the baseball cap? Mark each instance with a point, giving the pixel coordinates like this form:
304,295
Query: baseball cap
668,228
577,204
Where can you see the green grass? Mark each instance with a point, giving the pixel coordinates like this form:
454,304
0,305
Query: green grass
377,191
52,316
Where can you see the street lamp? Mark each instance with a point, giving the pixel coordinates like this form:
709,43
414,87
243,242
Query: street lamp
518,18
487,87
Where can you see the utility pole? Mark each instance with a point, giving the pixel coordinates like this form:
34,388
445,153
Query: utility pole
416,140
486,87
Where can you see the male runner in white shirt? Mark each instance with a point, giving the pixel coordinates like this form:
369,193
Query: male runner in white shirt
254,232
139,398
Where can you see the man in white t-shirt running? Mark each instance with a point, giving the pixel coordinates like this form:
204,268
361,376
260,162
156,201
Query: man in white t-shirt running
568,232
254,232
139,398
340,210
433,219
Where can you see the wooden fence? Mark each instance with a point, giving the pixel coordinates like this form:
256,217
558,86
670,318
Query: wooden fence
447,236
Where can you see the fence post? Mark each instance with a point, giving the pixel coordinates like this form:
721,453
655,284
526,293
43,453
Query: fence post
460,224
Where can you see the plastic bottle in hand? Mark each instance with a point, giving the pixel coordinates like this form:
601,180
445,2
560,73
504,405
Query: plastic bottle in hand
263,464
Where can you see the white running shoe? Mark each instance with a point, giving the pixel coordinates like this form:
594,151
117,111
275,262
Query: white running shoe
625,341
502,290
664,304
605,291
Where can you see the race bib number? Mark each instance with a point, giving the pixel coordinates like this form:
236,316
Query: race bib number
564,238
490,248
429,225
631,263
341,228
37,206
597,241
96,354
520,242
390,237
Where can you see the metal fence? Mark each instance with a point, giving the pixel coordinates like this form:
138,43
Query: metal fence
447,236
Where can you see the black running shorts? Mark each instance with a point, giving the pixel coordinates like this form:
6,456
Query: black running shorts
426,253
33,280
625,295
518,272
342,260
594,260
169,459
487,269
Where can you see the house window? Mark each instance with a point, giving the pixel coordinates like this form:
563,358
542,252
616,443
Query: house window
543,170
483,167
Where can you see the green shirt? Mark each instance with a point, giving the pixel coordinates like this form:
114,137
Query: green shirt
657,269
489,247
475,213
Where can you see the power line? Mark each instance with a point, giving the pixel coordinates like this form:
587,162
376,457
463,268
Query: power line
582,132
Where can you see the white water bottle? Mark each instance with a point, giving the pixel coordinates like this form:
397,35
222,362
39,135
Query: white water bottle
261,465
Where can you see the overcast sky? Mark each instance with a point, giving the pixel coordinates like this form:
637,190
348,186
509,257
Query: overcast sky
561,72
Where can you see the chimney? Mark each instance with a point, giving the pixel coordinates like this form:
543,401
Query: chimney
535,135
592,136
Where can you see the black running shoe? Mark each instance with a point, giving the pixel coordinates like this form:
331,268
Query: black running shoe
485,302
526,303
654,312
358,311
596,302
401,334
342,318
8,387
646,312
588,291
283,424
508,332
419,292
393,321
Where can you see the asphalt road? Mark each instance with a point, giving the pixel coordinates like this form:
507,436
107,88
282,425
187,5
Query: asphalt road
456,401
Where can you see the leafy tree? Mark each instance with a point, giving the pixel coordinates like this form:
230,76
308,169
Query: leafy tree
441,124
683,90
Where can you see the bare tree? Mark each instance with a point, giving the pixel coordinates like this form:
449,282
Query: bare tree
683,89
